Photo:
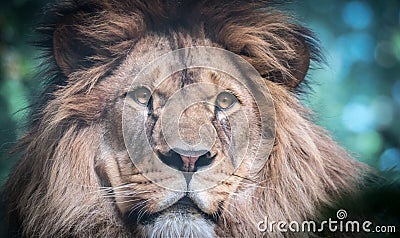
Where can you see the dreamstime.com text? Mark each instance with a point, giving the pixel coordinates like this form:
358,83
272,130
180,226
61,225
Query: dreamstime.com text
339,224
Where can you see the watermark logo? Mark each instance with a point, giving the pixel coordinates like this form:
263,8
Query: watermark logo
341,214
338,224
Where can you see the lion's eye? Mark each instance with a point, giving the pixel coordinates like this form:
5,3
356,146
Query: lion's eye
141,95
225,100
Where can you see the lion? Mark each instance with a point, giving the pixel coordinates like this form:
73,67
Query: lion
81,172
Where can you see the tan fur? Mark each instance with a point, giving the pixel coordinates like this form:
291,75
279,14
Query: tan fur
70,178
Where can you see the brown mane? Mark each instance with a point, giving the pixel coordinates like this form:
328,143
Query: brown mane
54,189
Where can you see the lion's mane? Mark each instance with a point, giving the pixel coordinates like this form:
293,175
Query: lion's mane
54,189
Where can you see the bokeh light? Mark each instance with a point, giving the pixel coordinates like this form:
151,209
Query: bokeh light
357,15
358,117
383,112
352,48
390,160
369,142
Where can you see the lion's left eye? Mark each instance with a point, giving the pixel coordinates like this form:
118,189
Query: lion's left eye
225,100
141,95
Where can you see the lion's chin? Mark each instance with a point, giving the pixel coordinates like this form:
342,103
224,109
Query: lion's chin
177,221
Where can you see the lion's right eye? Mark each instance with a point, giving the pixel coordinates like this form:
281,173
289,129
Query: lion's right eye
141,95
225,100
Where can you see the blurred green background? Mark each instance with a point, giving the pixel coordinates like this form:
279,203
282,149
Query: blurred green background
18,63
356,96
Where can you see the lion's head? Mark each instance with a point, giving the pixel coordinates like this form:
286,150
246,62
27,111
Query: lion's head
134,138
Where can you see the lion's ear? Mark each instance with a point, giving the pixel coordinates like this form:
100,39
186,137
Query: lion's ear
288,66
70,52
298,67
280,50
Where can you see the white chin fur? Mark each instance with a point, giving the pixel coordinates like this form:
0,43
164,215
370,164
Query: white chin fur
179,224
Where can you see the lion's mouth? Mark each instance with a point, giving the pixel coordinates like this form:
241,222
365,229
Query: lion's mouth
185,205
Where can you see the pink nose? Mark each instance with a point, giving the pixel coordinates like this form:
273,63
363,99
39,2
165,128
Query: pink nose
188,163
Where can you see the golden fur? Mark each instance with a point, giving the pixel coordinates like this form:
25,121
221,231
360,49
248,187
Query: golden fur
73,161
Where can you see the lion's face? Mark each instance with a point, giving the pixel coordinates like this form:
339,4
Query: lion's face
178,149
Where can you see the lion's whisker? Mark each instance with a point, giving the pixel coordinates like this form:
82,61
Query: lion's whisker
254,185
225,210
142,210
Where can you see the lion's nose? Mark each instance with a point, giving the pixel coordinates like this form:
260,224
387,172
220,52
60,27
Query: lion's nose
187,161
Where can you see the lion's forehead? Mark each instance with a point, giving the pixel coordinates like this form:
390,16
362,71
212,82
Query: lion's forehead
152,46
203,80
